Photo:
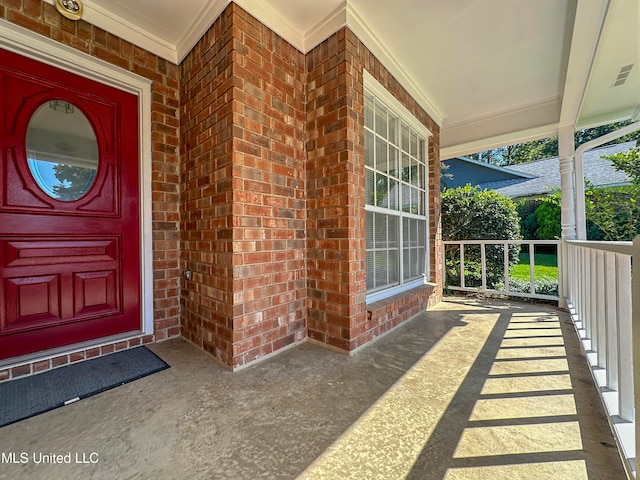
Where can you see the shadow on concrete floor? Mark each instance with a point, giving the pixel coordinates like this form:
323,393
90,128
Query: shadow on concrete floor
470,389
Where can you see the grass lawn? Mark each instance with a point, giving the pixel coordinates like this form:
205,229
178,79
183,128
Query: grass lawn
546,266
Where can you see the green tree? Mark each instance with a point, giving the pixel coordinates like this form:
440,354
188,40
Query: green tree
469,213
74,181
445,175
627,162
613,213
547,147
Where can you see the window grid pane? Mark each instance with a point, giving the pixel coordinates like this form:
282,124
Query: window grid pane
381,155
394,167
382,190
394,192
369,185
368,111
393,128
405,137
381,120
369,153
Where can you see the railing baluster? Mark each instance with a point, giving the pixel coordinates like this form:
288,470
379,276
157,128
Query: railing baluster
571,260
611,324
635,339
625,351
576,274
563,271
532,268
483,260
585,311
507,272
580,286
588,296
601,345
593,298
462,284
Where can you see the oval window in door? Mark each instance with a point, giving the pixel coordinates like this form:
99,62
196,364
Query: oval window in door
62,150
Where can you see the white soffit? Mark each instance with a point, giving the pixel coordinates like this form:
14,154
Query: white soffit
170,29
619,47
585,38
488,71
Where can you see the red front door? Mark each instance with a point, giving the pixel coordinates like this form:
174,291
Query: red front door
69,221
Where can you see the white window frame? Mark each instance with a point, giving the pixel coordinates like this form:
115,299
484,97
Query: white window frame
380,92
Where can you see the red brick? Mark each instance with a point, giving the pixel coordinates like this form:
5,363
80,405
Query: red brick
77,357
59,361
20,371
28,22
33,8
14,4
92,352
41,366
106,349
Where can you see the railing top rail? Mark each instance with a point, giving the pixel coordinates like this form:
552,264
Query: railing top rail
501,242
625,248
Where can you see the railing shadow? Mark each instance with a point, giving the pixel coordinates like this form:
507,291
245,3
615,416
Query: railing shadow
460,446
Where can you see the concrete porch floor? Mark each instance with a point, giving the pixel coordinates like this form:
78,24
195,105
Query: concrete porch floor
469,390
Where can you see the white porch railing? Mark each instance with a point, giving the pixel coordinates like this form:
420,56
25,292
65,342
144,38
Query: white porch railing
596,284
604,302
505,286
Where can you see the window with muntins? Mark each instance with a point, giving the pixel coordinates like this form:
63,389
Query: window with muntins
396,198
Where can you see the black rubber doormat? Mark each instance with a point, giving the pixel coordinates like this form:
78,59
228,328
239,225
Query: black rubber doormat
29,396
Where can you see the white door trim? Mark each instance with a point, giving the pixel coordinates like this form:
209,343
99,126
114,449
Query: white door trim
29,44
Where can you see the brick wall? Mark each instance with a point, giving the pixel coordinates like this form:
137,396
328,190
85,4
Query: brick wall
264,202
243,191
43,19
335,169
206,170
386,314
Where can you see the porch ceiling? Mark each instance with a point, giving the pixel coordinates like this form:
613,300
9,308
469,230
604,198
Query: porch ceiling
490,72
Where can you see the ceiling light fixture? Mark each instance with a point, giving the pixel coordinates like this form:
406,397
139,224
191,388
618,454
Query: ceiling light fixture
61,106
71,9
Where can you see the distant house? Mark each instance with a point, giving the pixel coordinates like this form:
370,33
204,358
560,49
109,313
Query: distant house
537,178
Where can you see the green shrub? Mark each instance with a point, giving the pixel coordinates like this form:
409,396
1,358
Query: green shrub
540,219
527,212
469,213
548,218
544,286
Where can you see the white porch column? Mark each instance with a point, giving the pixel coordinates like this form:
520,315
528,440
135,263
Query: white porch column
566,152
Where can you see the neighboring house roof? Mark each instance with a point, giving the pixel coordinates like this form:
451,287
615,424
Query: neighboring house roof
539,177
